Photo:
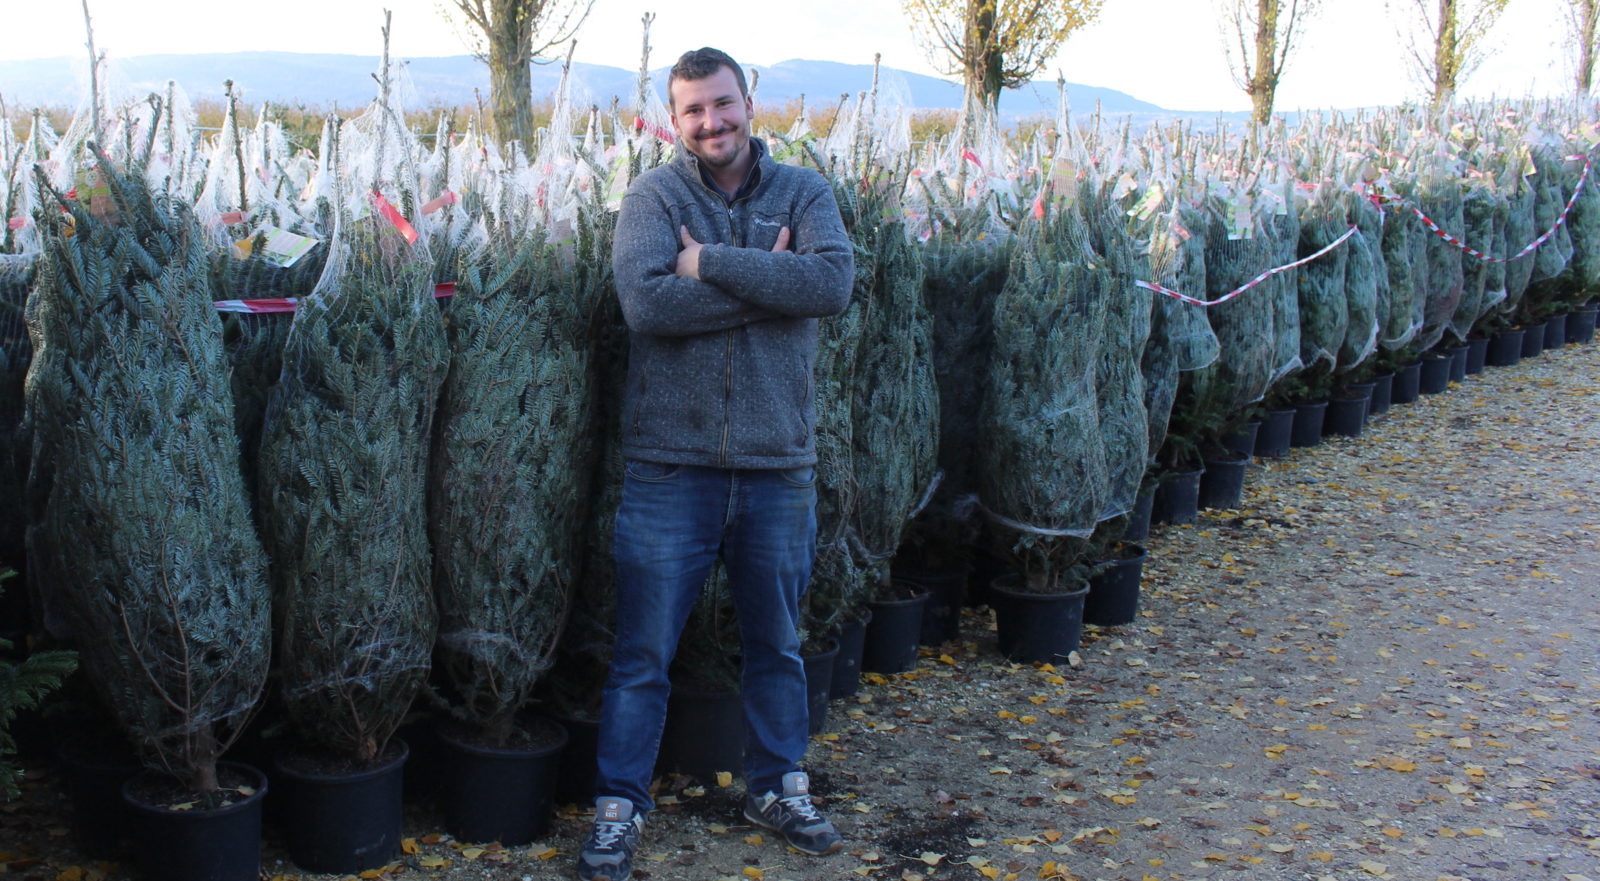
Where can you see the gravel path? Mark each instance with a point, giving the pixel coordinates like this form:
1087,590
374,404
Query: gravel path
1382,666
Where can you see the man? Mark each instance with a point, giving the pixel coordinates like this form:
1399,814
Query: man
724,261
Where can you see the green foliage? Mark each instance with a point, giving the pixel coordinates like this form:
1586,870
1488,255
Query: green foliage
1043,459
22,685
507,490
16,353
146,534
894,397
343,473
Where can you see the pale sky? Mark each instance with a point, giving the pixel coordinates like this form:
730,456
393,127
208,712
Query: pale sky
1168,52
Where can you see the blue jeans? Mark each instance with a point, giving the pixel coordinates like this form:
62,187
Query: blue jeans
673,522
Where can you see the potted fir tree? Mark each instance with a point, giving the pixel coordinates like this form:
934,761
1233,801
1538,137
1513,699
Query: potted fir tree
146,521
343,472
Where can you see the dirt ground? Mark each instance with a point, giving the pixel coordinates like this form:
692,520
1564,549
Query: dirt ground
1382,666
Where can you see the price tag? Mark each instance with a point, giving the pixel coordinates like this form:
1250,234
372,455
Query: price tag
278,246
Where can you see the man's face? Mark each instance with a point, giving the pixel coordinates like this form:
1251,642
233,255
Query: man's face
711,118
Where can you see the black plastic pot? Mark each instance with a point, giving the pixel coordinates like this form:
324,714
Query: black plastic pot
1346,416
1477,350
892,635
199,844
1138,528
1407,383
1505,349
1113,598
1580,325
704,733
1308,416
1037,627
1458,362
1382,394
343,822
502,794
852,639
575,777
1272,439
819,682
1222,482
1555,331
1533,340
94,773
1435,374
947,594
1243,441
1177,498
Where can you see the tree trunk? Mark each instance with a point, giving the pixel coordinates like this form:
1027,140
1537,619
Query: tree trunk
1588,11
985,65
1446,54
1264,84
510,81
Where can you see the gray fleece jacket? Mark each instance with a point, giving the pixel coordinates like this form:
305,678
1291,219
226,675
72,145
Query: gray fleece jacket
720,369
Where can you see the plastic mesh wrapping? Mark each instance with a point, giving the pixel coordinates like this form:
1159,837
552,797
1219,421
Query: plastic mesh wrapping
1122,242
1366,282
1181,338
1044,478
1282,290
1583,225
1323,287
1400,320
1519,231
1248,357
508,488
1482,219
895,399
1441,200
344,457
1550,260
145,540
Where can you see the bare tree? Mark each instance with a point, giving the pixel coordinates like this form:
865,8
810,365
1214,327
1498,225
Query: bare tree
509,35
1456,31
995,44
1265,32
1583,20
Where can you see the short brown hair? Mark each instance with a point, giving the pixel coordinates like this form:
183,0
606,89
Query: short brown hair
698,64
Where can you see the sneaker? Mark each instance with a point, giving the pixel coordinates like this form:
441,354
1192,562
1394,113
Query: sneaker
608,854
793,816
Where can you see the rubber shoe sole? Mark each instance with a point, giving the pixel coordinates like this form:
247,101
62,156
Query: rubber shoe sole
757,819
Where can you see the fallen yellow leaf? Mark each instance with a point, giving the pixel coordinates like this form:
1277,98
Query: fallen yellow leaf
753,840
931,858
1373,868
724,779
753,872
1395,763
410,846
432,862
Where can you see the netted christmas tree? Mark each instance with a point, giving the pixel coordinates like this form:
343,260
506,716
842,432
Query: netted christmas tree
1044,478
894,397
156,559
344,459
509,485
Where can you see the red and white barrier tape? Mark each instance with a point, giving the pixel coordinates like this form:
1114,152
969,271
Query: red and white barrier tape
289,304
1532,246
1151,286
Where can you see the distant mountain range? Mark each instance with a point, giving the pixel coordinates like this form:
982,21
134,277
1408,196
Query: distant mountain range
344,81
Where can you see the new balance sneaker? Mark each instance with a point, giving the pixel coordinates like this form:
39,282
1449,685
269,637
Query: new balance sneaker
793,816
608,854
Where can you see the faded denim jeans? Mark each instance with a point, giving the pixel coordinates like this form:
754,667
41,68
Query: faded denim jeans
673,522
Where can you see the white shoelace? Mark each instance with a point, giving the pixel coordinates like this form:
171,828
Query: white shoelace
608,832
801,805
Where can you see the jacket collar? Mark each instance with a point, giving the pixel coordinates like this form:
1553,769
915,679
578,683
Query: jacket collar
759,170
